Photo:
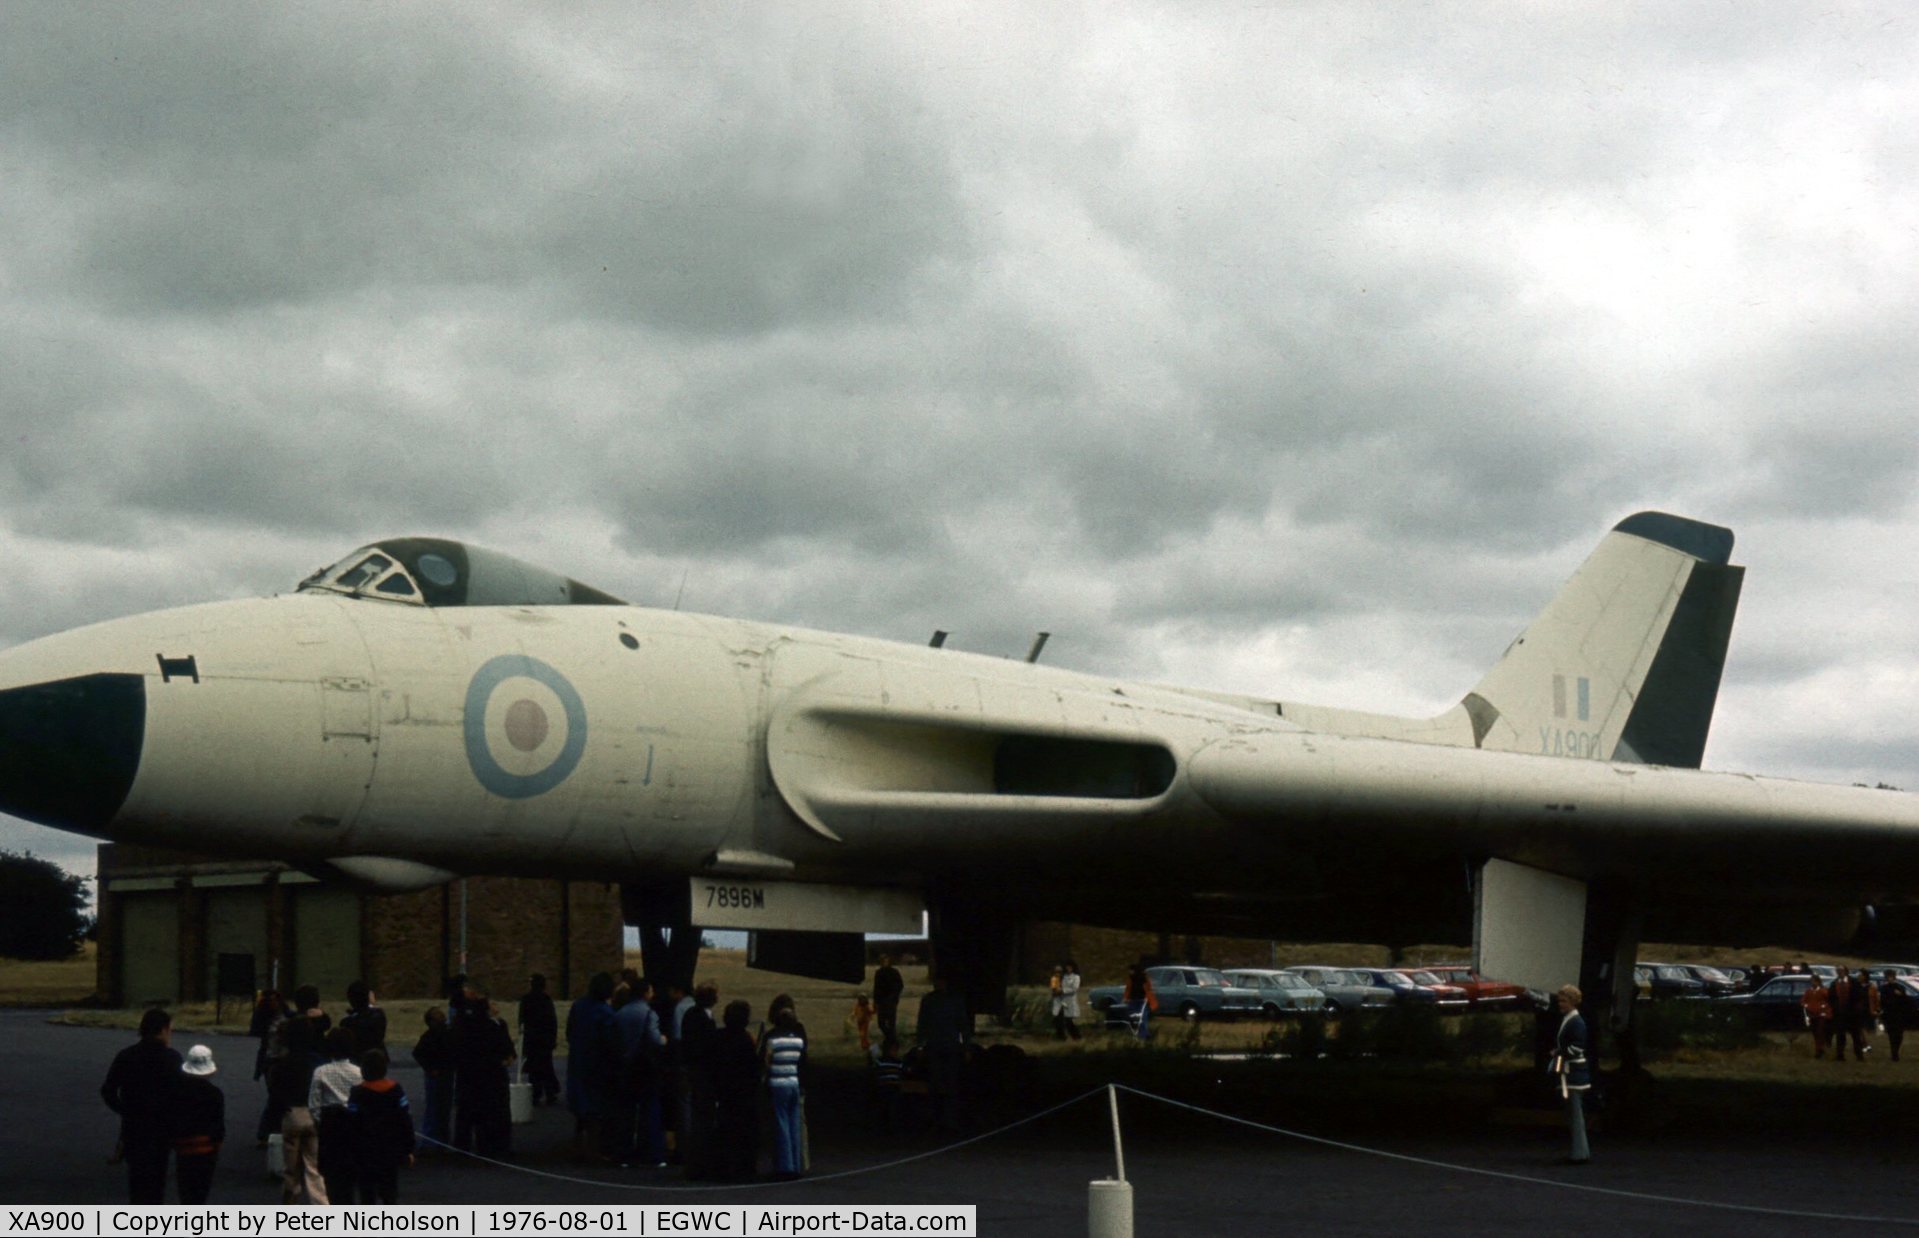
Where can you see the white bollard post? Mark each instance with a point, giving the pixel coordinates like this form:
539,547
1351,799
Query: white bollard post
1109,1209
1109,1201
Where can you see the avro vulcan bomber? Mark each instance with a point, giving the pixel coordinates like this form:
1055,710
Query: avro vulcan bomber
426,709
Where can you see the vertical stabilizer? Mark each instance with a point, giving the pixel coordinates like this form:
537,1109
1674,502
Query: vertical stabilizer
1625,662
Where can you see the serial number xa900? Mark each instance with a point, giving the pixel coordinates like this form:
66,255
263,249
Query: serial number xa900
738,898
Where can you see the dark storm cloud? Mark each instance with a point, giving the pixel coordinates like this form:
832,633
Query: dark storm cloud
300,157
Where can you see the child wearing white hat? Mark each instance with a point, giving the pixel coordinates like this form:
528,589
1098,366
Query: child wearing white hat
199,1125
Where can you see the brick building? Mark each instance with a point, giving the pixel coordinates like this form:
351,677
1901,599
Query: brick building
167,919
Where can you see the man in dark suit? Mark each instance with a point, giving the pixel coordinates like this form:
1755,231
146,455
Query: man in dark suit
539,1036
142,1085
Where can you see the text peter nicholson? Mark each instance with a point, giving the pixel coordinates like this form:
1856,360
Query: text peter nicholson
731,1221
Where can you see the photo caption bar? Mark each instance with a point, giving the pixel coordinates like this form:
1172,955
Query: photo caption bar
729,1220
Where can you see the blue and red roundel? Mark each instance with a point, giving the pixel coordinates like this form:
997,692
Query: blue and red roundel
525,726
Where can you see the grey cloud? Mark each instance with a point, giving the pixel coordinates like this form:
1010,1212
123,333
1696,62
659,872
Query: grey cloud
1182,334
269,159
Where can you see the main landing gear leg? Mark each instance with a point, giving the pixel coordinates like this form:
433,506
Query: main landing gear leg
973,949
669,944
1607,984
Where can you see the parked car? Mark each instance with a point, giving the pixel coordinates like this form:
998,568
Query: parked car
1451,997
1188,992
1776,1002
1280,993
1345,989
1402,986
1481,993
1718,983
1666,980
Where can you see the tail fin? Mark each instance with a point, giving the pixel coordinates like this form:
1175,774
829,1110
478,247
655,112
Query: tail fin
1625,662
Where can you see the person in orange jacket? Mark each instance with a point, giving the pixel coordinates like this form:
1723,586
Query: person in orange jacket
1139,996
1817,1001
1855,1006
860,1021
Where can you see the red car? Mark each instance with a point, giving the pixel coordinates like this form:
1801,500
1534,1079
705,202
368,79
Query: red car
1447,996
1484,994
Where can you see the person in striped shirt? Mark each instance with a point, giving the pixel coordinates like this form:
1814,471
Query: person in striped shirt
783,1056
889,1083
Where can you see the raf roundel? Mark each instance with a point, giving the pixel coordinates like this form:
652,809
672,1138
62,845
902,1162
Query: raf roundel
525,726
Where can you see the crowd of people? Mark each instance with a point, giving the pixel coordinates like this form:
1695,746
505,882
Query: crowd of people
1852,1008
652,1079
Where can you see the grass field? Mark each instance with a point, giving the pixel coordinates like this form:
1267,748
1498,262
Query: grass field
34,983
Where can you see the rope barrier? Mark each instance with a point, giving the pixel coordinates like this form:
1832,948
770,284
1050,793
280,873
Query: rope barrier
1402,1157
1515,1177
748,1186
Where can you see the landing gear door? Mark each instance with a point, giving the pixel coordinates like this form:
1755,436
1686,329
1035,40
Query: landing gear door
1529,926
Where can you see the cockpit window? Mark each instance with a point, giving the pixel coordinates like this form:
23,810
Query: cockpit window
439,572
363,571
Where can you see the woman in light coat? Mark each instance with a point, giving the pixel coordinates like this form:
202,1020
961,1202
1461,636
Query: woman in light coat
1571,1065
1065,1002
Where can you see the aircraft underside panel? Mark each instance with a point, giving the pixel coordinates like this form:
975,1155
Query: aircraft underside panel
1528,926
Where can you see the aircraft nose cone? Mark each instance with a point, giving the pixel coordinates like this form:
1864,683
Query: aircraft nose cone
69,749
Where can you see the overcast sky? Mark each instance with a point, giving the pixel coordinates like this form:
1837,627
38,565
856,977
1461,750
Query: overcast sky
1300,350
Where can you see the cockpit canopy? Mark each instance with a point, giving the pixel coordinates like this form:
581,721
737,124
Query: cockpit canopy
433,571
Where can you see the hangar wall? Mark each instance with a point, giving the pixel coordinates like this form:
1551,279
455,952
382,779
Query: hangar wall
167,917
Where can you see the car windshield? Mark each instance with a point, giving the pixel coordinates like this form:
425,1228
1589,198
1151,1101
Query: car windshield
1208,979
1426,977
1671,973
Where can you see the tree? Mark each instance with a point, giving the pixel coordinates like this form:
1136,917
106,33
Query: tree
43,908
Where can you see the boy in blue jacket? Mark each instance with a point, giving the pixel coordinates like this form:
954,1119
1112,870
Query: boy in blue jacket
382,1130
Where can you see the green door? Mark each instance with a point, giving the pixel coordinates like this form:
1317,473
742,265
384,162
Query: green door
150,947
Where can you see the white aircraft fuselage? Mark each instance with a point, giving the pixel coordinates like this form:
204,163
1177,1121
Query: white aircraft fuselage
525,724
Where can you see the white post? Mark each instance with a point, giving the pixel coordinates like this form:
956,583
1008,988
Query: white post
1109,1201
